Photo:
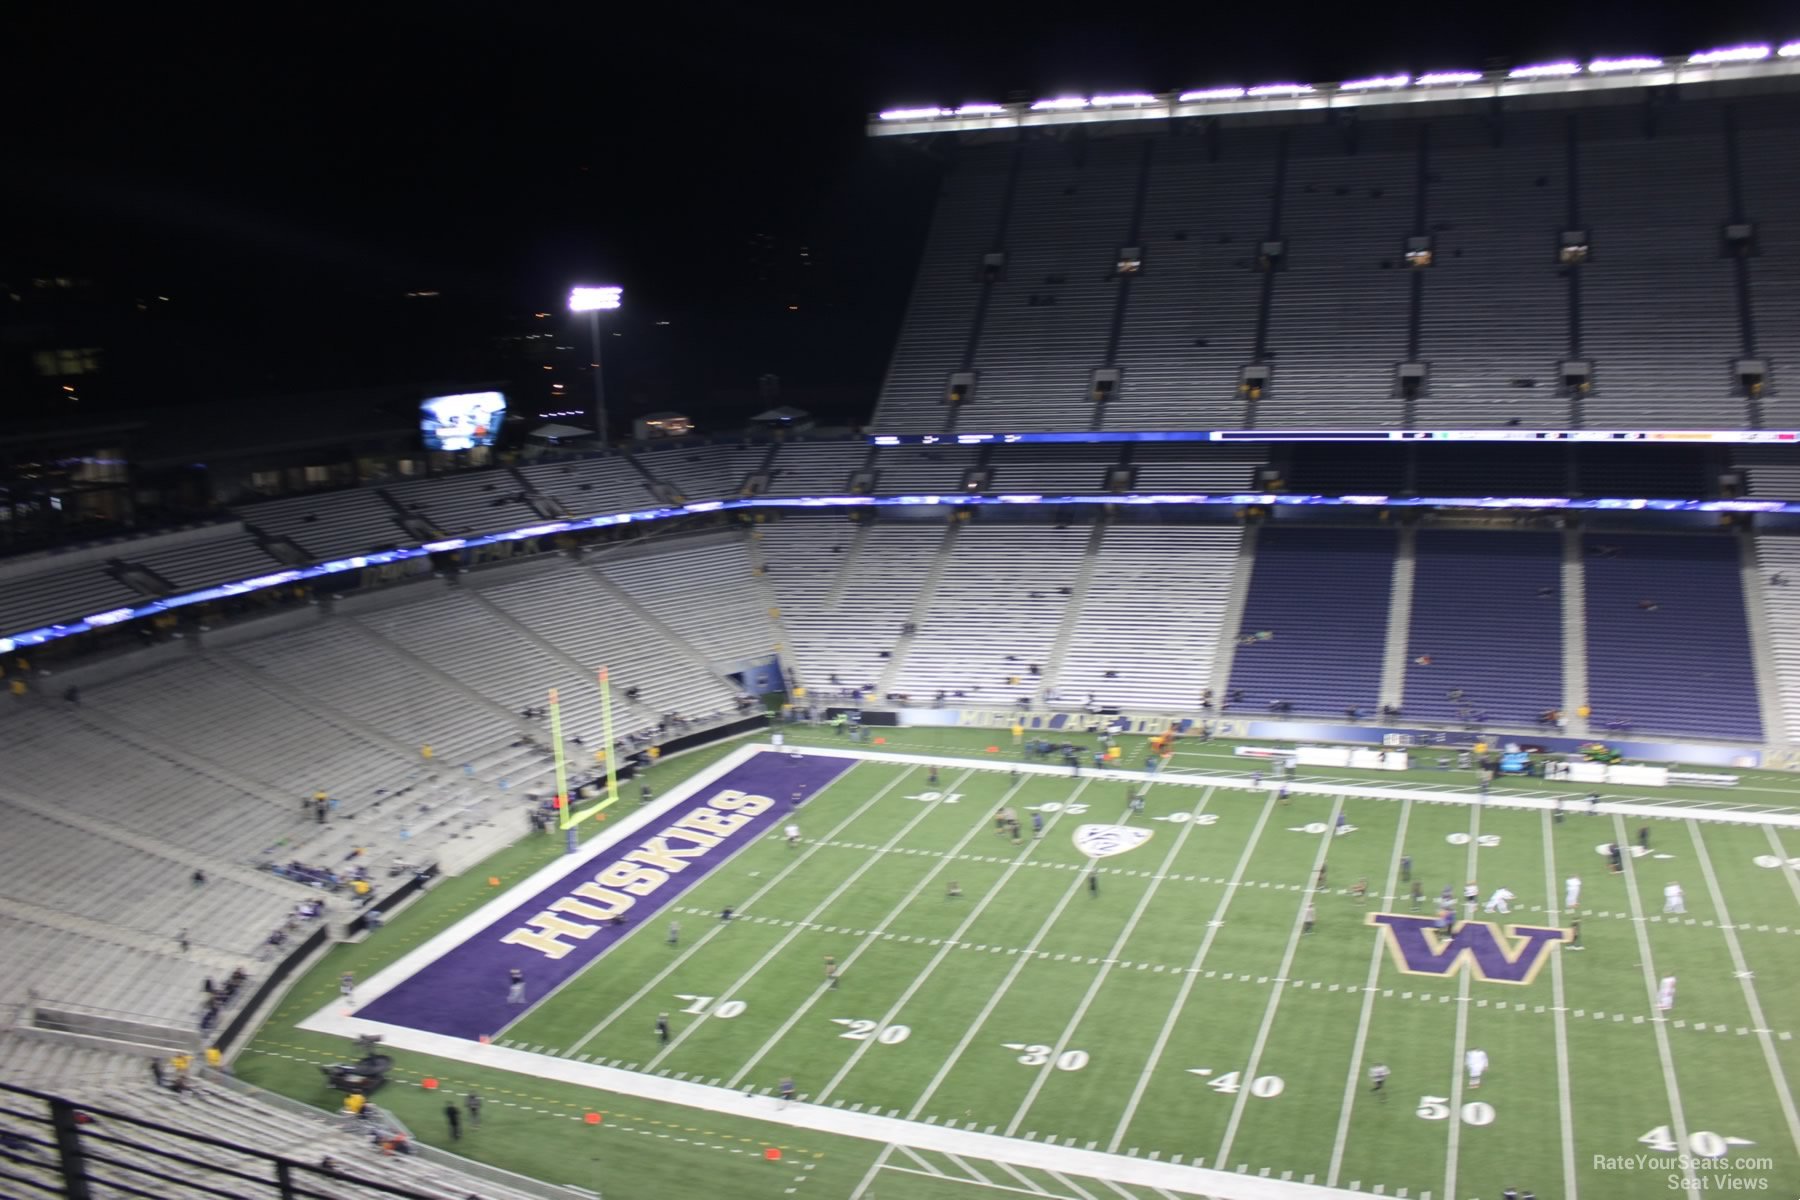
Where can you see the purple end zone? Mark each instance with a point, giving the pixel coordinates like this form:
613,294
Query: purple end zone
463,993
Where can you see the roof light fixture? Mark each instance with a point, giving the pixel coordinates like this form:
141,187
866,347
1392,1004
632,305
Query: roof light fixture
1729,54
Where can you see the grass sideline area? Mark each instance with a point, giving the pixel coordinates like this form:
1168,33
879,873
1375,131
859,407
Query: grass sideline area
1141,1016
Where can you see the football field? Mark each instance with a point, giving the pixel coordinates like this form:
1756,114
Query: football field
1144,984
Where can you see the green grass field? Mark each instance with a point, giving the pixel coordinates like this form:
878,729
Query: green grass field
1162,1002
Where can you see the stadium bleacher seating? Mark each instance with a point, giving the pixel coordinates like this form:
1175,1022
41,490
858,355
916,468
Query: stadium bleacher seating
1659,318
816,468
1222,471
701,589
1020,580
1052,470
1147,633
1338,323
922,470
332,524
703,472
1190,325
1323,595
1048,317
1768,138
1667,634
590,486
843,598
120,1081
1778,564
466,505
1654,309
1487,613
936,333
1495,318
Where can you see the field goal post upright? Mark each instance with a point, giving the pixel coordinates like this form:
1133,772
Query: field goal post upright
606,732
564,810
567,817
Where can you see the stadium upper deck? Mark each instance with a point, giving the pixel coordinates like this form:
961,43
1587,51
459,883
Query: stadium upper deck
1606,245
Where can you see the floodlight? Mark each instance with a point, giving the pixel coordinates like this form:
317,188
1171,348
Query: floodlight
1376,81
1280,89
1433,78
1634,62
1123,98
1729,54
1545,70
1789,50
913,114
1218,93
593,299
1060,103
980,110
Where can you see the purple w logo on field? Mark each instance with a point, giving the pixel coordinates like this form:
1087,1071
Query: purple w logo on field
1419,949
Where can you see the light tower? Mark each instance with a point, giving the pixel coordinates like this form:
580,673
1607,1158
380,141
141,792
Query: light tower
593,301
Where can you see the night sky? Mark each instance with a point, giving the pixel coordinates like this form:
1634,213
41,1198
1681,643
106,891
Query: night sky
286,174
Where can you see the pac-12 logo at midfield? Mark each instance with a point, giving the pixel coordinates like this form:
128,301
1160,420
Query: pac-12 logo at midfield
1418,949
1104,841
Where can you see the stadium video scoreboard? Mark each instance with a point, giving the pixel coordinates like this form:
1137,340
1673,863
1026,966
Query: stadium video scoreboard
1662,436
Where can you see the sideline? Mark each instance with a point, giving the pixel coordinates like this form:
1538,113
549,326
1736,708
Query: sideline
1575,807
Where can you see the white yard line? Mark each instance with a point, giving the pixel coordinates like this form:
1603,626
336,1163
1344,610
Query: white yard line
1564,1098
1677,1118
993,1001
1115,1187
1452,1152
943,952
1100,976
910,1153
874,935
1081,1192
1791,875
862,1187
774,951
675,964
1213,925
1222,1159
1022,1178
998,1187
1759,1022
1183,1178
1353,1078
964,1166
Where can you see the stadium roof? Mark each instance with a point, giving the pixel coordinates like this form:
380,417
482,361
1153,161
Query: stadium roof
1746,67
